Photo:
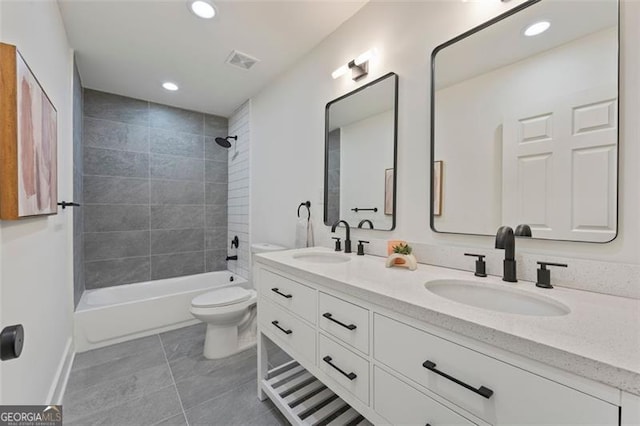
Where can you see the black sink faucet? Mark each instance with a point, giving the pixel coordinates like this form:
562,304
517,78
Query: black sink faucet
347,240
365,221
506,241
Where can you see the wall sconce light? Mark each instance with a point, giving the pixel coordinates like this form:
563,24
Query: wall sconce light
359,66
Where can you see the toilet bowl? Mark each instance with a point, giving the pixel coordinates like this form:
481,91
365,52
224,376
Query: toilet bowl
228,313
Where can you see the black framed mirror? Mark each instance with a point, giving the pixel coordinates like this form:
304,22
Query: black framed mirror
361,137
524,123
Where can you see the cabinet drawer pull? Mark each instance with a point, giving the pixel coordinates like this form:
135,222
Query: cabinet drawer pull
276,290
277,324
482,391
350,376
328,316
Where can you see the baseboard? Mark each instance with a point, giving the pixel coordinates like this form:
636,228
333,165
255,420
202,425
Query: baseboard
59,385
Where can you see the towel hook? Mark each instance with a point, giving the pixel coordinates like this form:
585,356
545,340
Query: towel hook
306,204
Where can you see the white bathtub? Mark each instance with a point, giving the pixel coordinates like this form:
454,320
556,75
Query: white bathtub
115,314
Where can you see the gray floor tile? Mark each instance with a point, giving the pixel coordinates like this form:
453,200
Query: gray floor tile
113,352
147,410
203,386
236,407
195,364
111,393
178,420
187,341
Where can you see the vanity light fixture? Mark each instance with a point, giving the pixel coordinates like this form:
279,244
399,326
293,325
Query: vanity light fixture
359,66
171,87
537,28
202,8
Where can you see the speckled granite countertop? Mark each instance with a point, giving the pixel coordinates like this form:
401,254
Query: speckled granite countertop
599,339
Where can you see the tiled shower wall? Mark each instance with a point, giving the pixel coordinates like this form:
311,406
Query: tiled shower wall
155,191
78,216
239,188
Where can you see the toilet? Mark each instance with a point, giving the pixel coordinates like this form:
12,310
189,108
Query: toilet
229,313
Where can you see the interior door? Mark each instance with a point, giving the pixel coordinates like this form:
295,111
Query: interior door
560,166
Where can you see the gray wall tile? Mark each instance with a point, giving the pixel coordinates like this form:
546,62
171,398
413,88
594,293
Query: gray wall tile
106,162
215,126
116,217
214,152
108,273
216,171
216,238
176,265
177,241
216,260
216,193
175,119
178,168
115,190
176,192
115,245
216,215
177,217
115,108
113,135
175,143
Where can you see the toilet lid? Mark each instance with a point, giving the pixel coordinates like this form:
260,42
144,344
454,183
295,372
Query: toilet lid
221,297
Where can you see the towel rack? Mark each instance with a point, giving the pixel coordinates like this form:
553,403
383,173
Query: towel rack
360,209
306,204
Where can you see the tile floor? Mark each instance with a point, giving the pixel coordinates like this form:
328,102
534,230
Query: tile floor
164,380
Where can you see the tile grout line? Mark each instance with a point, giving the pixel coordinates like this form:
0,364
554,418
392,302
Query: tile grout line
173,379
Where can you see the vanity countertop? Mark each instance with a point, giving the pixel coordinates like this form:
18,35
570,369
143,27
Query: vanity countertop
599,339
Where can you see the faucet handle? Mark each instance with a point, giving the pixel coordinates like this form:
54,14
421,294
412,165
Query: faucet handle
338,245
481,265
361,247
544,275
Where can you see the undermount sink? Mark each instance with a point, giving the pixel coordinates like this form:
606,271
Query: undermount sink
316,257
494,298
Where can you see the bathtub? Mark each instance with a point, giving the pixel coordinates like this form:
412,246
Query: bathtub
115,314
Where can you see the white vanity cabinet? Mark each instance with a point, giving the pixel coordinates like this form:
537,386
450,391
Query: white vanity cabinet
396,370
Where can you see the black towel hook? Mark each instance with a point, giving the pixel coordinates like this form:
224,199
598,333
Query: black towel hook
306,204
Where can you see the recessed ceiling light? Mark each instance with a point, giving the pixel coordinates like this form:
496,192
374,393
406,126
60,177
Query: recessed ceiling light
202,8
537,28
172,87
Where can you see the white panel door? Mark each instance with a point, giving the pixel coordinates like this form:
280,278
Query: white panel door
560,167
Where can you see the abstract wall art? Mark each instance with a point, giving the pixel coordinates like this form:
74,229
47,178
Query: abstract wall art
28,141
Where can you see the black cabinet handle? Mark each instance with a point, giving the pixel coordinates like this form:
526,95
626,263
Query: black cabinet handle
350,376
277,324
276,290
328,316
482,391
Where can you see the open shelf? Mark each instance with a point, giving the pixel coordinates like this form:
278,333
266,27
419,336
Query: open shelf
304,400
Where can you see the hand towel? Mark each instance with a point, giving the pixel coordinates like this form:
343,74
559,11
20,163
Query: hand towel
302,232
310,242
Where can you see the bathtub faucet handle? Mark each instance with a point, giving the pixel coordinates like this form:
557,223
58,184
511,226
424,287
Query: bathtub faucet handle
235,242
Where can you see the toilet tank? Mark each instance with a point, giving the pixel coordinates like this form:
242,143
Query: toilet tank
257,248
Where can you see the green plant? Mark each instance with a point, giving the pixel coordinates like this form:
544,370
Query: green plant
402,249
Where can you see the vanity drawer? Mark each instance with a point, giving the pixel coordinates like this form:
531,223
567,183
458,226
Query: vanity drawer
511,395
344,320
296,297
401,404
288,330
346,368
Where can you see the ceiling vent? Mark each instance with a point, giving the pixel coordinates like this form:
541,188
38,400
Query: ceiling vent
241,60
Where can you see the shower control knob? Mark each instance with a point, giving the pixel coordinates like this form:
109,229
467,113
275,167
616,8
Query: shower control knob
11,342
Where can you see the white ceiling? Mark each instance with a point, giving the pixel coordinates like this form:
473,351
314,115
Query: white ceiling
131,47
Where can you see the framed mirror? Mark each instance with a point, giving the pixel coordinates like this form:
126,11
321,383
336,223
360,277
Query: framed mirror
361,130
524,116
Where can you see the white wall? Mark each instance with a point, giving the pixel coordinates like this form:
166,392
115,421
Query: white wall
238,205
35,261
366,150
287,124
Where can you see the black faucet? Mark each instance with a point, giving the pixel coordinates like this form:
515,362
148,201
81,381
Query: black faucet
506,241
363,221
347,240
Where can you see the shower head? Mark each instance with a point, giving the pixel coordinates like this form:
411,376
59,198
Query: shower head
224,142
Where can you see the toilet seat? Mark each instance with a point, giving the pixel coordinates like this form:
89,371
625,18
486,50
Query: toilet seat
222,297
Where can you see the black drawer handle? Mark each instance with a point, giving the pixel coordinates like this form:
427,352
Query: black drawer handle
350,376
277,324
482,391
276,290
328,316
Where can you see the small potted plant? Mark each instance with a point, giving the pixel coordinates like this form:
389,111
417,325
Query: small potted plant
402,257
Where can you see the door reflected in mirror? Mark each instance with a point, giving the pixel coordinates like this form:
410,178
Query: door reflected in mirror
360,156
525,117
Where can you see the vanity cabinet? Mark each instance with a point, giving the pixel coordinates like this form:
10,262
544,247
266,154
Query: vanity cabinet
396,370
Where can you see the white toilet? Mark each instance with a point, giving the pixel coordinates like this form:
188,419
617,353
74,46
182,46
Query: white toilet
228,312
